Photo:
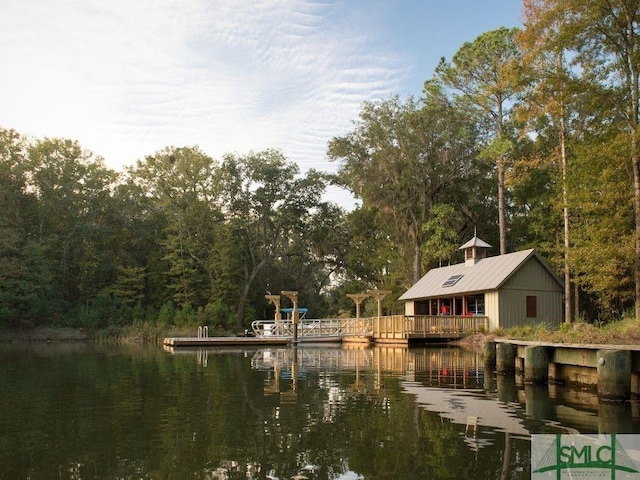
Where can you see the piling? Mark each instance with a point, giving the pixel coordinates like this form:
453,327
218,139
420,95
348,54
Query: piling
614,375
505,358
536,365
489,354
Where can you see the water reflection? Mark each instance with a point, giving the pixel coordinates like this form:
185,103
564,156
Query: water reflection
488,397
277,413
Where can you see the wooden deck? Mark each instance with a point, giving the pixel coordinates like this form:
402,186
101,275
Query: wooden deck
422,328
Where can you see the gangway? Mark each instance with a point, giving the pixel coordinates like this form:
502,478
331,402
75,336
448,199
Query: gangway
325,329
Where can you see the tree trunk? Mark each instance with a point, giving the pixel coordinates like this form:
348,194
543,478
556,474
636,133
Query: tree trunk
501,215
565,214
636,204
502,224
249,278
417,262
635,158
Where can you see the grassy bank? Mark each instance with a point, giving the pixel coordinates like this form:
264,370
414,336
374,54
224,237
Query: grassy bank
621,332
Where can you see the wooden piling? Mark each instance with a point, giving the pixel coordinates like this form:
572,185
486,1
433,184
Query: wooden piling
536,365
489,355
505,358
614,375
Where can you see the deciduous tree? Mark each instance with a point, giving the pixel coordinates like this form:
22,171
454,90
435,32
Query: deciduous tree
267,204
403,158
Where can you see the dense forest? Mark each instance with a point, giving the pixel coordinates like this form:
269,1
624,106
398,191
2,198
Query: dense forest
528,136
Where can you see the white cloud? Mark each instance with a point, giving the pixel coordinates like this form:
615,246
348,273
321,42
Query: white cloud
129,78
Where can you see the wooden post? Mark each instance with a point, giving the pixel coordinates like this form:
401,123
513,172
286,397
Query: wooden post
536,365
275,299
505,358
293,296
358,298
490,355
614,375
379,295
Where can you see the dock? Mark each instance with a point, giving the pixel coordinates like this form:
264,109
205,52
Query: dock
223,341
394,329
612,371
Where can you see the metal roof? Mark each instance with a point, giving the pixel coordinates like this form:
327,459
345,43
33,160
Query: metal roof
487,274
475,242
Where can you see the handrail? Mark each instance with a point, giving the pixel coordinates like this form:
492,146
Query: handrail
447,323
313,327
393,325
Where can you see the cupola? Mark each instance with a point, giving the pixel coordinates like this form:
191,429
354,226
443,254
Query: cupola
474,251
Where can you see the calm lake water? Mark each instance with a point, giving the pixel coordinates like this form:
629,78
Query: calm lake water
90,412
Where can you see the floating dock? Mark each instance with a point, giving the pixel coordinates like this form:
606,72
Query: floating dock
223,341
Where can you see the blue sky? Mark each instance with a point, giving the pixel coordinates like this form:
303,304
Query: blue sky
127,78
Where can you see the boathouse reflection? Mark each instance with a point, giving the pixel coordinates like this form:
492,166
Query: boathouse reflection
453,382
437,376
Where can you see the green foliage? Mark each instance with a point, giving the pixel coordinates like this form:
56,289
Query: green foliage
183,240
441,242
218,314
402,159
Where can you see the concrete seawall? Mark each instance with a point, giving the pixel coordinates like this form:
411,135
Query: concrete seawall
611,371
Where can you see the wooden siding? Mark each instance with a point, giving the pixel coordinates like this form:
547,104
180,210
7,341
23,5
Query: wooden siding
531,280
533,276
409,307
492,309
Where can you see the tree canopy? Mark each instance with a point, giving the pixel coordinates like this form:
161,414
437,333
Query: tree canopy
548,113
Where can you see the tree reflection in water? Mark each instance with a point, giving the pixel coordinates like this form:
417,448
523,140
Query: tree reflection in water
315,413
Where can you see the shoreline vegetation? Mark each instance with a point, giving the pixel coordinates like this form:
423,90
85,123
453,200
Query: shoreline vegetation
621,332
139,333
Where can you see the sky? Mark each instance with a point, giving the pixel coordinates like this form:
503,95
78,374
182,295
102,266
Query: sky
127,78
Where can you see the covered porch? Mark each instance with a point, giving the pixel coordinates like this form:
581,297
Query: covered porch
462,305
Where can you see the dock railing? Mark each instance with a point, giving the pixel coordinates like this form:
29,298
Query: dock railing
392,326
324,327
402,326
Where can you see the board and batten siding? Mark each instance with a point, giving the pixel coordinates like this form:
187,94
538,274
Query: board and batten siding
492,308
530,280
409,308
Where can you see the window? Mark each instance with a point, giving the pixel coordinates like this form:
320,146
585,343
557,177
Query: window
453,279
532,306
421,308
475,305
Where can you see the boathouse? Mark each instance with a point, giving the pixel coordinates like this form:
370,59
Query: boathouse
510,290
